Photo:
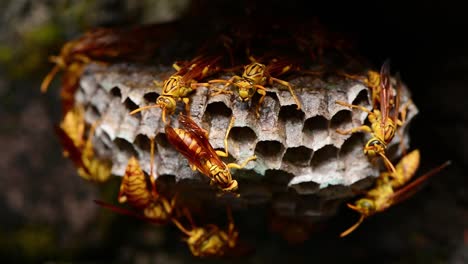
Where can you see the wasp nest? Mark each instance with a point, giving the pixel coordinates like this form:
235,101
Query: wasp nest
304,167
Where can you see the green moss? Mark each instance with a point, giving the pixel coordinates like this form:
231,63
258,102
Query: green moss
6,53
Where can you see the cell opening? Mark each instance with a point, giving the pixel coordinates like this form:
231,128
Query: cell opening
161,140
341,119
242,135
353,142
130,105
324,154
362,98
116,92
125,146
144,143
291,114
151,97
217,108
313,126
269,150
299,156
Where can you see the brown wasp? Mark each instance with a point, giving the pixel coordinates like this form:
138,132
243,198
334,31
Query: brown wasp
257,75
210,240
383,195
192,142
103,45
383,122
179,85
135,190
79,149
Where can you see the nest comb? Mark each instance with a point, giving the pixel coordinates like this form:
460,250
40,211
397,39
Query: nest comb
303,167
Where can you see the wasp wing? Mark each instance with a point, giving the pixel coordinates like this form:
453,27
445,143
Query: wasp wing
68,145
124,211
200,67
385,91
202,138
410,189
175,139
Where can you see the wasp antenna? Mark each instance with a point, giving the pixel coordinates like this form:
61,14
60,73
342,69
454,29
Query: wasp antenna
48,79
143,108
181,227
353,227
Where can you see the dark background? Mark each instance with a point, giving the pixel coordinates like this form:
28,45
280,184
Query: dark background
46,210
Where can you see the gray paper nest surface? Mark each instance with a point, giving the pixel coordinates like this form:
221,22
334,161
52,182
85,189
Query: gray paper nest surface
298,151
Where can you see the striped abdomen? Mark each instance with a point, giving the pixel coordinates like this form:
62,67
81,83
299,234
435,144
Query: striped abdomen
134,188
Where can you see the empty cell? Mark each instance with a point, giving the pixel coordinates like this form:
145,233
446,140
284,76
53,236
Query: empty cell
151,97
353,143
162,141
216,109
242,136
362,99
341,120
143,142
314,128
290,113
116,92
298,156
324,155
130,105
125,146
269,150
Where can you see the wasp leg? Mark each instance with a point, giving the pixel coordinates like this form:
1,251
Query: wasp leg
224,89
362,108
287,84
354,130
262,91
225,152
240,166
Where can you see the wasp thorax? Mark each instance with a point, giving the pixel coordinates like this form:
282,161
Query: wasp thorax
374,78
172,83
254,72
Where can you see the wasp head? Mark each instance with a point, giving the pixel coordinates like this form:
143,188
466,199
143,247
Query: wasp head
364,206
374,146
166,102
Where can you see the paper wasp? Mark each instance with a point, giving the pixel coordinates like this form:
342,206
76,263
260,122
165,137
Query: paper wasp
391,188
179,85
135,190
384,122
192,142
257,75
79,149
103,45
209,240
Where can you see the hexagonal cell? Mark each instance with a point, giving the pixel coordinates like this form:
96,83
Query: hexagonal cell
298,156
241,141
324,155
116,92
292,120
270,152
362,99
216,109
151,97
315,132
341,120
125,146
